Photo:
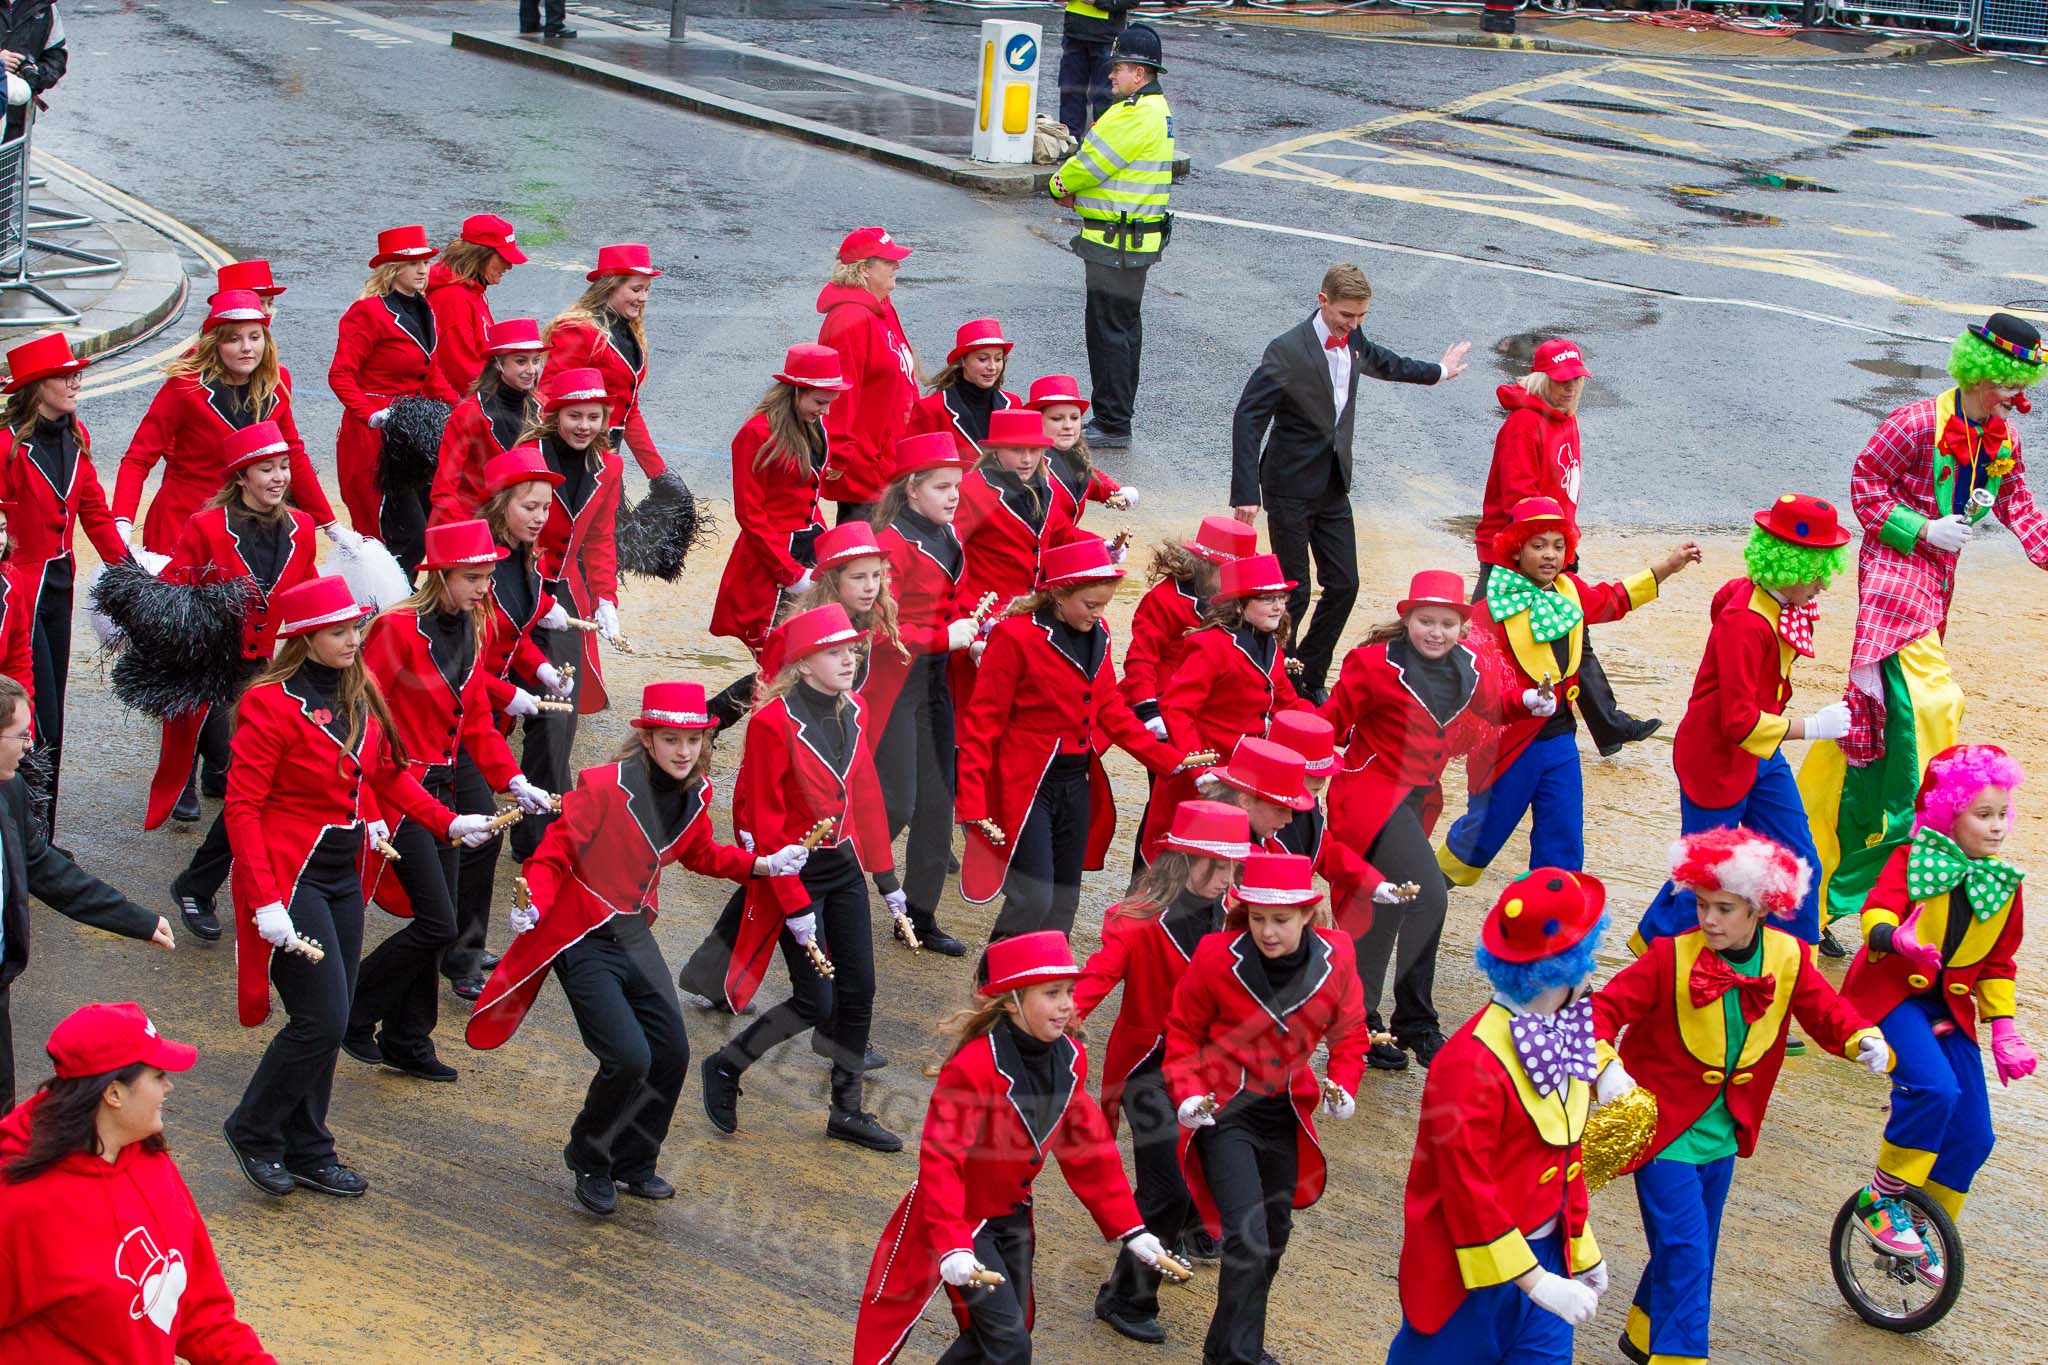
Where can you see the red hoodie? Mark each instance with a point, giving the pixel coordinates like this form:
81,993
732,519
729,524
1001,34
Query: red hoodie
460,315
108,1262
864,422
1535,455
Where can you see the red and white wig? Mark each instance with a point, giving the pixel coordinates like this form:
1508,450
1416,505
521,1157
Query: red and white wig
1743,863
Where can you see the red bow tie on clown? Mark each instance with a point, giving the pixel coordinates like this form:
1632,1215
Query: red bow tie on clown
1336,341
1795,626
1713,978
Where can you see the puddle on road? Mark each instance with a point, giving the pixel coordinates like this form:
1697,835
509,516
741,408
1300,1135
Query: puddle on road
1900,369
1998,222
1694,199
1875,134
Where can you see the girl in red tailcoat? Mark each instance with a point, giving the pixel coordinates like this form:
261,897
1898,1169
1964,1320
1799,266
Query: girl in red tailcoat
1033,795
604,330
1256,1000
969,390
859,322
807,772
596,888
385,351
313,766
1147,942
1005,511
476,259
1013,1090
503,402
1076,481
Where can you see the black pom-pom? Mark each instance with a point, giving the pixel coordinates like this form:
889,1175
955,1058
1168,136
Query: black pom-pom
656,534
183,645
412,444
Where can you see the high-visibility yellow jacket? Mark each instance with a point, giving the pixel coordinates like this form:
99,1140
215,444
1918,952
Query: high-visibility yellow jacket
1120,179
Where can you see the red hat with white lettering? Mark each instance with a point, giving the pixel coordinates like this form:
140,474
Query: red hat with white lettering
1011,964
513,334
673,706
848,541
315,604
865,242
94,1040
520,464
979,335
461,545
570,387
253,276
1560,360
1222,539
488,229
623,258
253,444
396,246
1051,390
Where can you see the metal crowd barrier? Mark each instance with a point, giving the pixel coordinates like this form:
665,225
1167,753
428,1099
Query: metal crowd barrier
15,276
2020,22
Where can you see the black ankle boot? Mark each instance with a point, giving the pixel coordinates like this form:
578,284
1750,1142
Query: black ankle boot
933,937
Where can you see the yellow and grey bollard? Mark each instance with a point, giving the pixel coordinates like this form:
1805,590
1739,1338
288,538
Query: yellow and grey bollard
1007,111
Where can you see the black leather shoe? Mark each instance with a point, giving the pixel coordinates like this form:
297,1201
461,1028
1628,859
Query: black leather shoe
468,987
487,962
363,1047
1098,439
187,809
1427,1046
873,1061
558,33
335,1179
427,1068
596,1192
935,939
653,1187
1632,732
1830,946
1200,1245
721,1094
1387,1057
1125,1324
862,1129
268,1176
198,914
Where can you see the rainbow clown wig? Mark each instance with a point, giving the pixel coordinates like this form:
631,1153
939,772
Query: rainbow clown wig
1955,776
1774,562
1742,863
2003,350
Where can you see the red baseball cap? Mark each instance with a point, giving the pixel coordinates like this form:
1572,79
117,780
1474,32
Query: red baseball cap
488,229
863,242
96,1039
1560,360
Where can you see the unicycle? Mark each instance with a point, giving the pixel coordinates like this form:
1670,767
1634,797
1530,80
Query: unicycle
1891,1291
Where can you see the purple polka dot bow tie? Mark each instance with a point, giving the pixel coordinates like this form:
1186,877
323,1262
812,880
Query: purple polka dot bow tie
1555,1047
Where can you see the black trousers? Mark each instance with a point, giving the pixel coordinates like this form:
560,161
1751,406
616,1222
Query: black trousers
217,733
1410,933
1115,326
208,869
704,973
283,1113
549,738
855,511
999,1331
476,875
1249,1160
1163,1199
6,1051
841,1009
400,983
1043,888
51,660
1318,529
1084,81
403,522
1596,704
915,762
530,15
626,1010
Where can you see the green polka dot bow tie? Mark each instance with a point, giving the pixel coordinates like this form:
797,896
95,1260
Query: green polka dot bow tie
1551,614
1936,864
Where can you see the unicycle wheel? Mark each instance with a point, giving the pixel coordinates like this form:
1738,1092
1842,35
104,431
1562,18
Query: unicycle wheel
1893,1292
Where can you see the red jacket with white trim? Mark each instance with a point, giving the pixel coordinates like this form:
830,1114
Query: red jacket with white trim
774,511
44,523
575,344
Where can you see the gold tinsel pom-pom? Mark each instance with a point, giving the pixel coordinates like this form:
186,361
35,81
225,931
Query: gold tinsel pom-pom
1615,1133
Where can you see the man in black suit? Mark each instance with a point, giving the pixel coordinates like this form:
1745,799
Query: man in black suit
29,866
1305,390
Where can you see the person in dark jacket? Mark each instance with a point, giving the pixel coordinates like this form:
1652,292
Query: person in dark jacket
1085,41
32,47
1291,453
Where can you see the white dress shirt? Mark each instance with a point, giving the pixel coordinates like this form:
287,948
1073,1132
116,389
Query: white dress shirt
1339,360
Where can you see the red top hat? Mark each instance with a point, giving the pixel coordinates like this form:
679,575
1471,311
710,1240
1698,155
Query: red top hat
573,386
1027,960
488,229
978,335
96,1039
1051,389
1804,520
1210,829
1016,427
461,545
253,444
849,540
1252,576
623,258
1272,772
400,244
863,242
253,276
513,334
51,355
928,450
820,628
1560,360
315,604
1222,539
673,706
520,464
1078,561
1309,735
808,365
234,305
1276,879
1435,588
1543,914
1525,519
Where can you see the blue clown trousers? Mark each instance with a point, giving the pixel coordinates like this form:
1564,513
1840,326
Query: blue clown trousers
1939,1133
1773,809
1498,1325
1681,1206
1545,779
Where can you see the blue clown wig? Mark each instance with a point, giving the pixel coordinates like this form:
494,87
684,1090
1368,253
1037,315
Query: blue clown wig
1522,982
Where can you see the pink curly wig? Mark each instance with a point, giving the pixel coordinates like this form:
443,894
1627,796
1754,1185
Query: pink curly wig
1955,776
1744,863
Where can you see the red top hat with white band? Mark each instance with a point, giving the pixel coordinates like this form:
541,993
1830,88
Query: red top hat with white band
1252,576
1269,771
848,541
1210,829
461,545
253,276
488,229
1033,959
315,604
1435,588
1560,360
48,356
1077,561
929,450
1309,735
623,258
820,628
253,444
865,242
513,334
96,1039
520,464
1543,914
1276,880
672,706
396,246
1017,427
573,386
1053,389
808,365
1804,520
978,335
234,305
1222,539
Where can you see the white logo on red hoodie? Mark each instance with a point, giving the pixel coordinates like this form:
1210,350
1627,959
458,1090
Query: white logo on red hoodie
160,1279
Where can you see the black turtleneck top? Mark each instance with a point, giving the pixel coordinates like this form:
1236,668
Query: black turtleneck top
55,448
972,404
1034,1092
413,314
1030,501
1191,916
670,796
1435,681
574,467
932,536
1283,971
323,685
506,410
625,342
451,639
263,545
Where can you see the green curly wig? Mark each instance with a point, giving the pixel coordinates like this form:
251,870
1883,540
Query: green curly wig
1776,563
1973,360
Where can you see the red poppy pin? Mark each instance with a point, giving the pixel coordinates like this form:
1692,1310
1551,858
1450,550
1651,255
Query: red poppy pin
323,716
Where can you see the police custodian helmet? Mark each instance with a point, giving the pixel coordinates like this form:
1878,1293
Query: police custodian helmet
1138,43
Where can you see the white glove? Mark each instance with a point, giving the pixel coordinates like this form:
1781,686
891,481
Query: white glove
378,419
555,617
960,634
1950,533
274,924
523,703
788,860
1146,1248
804,927
1613,1082
376,830
898,902
1536,704
1830,722
1129,495
469,830
1339,1105
1117,552
340,535
1387,893
531,799
802,584
746,839
1158,728
1568,1299
608,620
1594,1278
958,1268
1875,1055
19,91
550,677
1191,1115
124,528
524,917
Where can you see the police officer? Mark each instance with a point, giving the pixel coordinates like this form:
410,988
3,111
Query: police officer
1090,31
1118,182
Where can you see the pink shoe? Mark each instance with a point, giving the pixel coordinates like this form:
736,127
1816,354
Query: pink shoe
1928,1269
1886,1222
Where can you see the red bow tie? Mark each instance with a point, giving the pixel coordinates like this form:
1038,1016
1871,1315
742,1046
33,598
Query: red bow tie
1713,978
1996,433
1333,341
1795,626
